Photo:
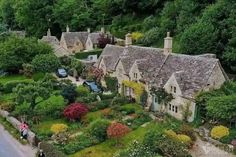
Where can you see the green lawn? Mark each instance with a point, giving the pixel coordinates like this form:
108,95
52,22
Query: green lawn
6,79
18,77
108,149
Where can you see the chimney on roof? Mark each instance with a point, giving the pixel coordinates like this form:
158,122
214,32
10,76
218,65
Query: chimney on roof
49,32
88,30
102,30
128,39
67,29
168,43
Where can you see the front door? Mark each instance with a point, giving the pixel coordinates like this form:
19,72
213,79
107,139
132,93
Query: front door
155,104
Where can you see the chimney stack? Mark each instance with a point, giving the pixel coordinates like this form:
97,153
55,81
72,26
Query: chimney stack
168,44
49,32
88,30
128,39
102,30
67,29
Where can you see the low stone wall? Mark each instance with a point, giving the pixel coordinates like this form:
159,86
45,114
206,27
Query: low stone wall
16,124
205,135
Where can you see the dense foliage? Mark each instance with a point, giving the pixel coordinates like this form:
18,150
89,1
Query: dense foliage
16,51
219,104
198,26
117,130
219,131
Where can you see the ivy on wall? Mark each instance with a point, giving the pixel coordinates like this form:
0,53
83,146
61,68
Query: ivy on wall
137,87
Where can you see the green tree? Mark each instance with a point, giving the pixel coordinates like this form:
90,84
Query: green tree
34,16
32,93
199,38
16,51
46,63
53,106
222,108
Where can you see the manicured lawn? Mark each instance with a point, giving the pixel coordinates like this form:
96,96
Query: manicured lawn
6,79
108,148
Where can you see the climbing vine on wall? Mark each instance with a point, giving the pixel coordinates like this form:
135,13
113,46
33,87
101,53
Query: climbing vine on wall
137,87
162,95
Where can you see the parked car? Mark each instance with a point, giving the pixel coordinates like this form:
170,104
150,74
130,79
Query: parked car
93,86
61,73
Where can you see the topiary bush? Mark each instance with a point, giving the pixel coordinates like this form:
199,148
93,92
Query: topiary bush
58,128
219,131
75,111
98,129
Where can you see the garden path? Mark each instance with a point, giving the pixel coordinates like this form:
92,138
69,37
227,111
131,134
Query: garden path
205,149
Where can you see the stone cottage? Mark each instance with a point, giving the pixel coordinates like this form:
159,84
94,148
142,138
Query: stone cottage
183,76
79,41
55,44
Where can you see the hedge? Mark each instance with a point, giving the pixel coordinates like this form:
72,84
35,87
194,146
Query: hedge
84,55
8,87
49,150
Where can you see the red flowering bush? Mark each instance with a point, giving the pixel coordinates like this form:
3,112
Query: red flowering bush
75,111
117,130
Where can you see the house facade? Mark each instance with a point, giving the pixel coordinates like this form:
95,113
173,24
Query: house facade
182,76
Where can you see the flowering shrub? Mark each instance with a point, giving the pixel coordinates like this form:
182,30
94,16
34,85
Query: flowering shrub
98,129
117,130
219,131
185,139
233,142
58,128
137,87
171,134
75,111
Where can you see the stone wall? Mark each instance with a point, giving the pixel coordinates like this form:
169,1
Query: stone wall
16,124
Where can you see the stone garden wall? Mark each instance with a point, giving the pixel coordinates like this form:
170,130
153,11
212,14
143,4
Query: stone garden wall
205,135
16,124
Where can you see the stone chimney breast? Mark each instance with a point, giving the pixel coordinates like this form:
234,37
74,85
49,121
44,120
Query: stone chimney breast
168,41
49,32
67,29
128,40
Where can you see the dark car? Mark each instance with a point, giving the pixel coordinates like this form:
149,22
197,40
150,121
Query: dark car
93,86
61,73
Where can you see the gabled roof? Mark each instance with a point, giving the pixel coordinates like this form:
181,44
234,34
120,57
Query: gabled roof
94,37
72,37
50,39
156,67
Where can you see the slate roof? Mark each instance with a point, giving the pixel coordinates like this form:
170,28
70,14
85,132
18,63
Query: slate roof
72,37
191,72
50,39
94,37
59,51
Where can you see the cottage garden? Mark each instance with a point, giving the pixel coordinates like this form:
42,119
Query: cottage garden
70,120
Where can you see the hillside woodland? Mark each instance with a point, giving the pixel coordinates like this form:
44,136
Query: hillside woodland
198,26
